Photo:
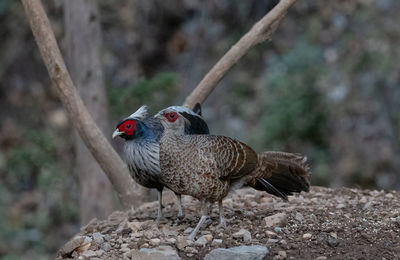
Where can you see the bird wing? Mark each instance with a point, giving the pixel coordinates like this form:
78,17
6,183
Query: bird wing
224,157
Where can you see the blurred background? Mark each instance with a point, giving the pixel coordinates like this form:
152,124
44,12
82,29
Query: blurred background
327,86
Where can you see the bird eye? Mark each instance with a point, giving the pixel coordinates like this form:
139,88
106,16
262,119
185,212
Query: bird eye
128,126
171,115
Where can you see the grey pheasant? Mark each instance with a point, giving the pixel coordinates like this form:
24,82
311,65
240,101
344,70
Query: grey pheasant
208,167
141,149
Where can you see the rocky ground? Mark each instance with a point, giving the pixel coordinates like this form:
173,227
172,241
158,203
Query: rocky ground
323,224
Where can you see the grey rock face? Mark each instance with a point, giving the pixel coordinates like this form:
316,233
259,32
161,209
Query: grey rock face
238,253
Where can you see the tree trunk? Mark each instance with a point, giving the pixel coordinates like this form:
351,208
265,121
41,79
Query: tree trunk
83,46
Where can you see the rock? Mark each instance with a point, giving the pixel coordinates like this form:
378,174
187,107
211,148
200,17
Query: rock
282,254
307,236
367,205
89,253
155,241
240,252
106,246
272,241
98,238
134,226
216,242
244,234
299,217
321,258
332,242
277,229
279,219
270,233
158,253
100,252
340,206
171,240
145,245
69,247
203,240
182,242
188,231
191,250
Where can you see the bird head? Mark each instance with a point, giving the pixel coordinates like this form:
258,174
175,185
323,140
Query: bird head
126,128
172,121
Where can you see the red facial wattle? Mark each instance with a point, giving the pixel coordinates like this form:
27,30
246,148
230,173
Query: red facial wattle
171,117
128,127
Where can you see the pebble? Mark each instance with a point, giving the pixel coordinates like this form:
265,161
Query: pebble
277,229
161,252
191,250
307,236
299,217
239,252
100,252
145,245
188,231
155,241
272,241
89,253
244,234
270,233
282,254
171,240
203,240
321,258
279,219
98,238
216,242
340,206
106,246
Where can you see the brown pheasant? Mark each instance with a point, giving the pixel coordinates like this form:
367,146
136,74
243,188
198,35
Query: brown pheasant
206,167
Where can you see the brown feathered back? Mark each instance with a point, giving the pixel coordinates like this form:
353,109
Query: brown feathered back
205,166
281,173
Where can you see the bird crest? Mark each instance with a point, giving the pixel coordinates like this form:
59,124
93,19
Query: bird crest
141,113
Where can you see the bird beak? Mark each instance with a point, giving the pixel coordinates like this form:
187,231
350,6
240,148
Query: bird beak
116,133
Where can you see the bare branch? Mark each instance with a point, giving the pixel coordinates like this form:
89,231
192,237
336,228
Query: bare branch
94,139
260,32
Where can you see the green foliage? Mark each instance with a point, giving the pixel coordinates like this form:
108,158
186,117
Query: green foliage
294,107
33,173
155,92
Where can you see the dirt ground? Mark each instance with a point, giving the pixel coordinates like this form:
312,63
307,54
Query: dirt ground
322,224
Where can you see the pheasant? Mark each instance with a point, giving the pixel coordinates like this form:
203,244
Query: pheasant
208,167
141,148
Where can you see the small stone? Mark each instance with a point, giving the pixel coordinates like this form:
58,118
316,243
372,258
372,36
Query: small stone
321,258
171,240
244,234
307,236
98,238
270,233
340,206
333,234
332,242
282,254
203,240
216,242
299,217
239,252
100,252
283,242
277,229
182,242
389,196
106,246
161,252
89,253
188,231
367,205
155,241
278,219
191,250
272,241
145,245
134,226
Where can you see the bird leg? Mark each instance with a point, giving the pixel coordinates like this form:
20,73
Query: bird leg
159,211
180,212
204,211
222,221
